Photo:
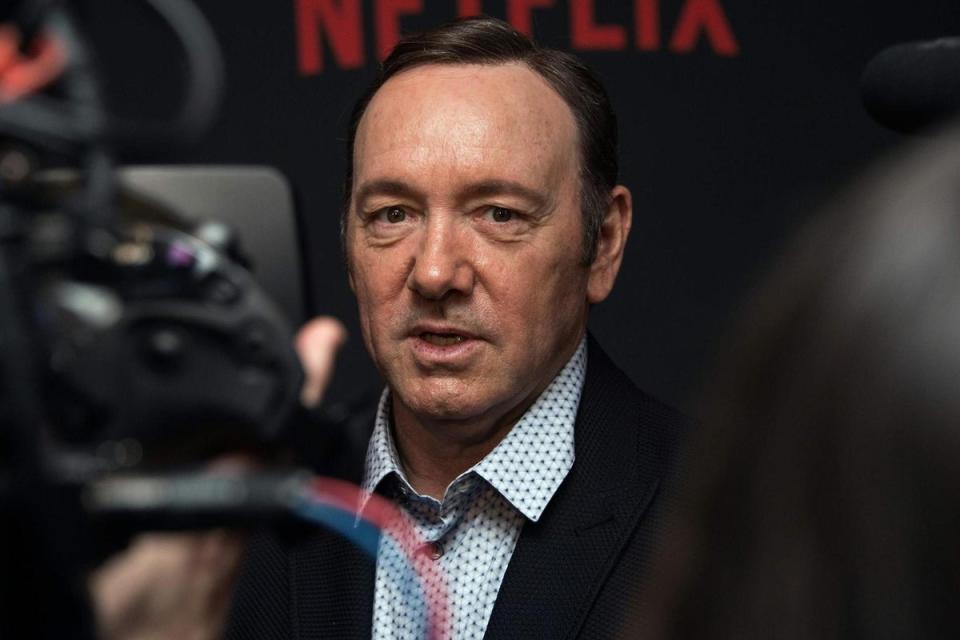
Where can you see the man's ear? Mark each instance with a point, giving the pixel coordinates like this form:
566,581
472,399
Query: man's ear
610,245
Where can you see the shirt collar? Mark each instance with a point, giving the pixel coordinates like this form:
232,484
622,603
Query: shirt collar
527,466
382,457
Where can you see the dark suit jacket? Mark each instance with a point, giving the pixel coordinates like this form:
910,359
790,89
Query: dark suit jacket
571,575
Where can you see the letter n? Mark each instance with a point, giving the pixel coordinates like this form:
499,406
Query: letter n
338,21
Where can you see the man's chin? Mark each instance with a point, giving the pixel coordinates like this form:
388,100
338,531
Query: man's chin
447,407
443,400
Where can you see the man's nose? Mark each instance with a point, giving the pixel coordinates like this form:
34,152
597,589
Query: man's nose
442,265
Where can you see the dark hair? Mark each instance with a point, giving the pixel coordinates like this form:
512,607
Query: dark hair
823,497
488,41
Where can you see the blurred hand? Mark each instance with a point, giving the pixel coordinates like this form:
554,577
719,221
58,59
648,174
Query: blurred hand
168,586
178,586
317,344
171,586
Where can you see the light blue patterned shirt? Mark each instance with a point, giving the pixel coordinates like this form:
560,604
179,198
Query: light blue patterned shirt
473,531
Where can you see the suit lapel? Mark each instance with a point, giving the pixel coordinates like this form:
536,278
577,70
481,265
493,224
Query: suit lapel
331,582
560,563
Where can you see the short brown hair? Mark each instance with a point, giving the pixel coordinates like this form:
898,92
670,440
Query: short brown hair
485,40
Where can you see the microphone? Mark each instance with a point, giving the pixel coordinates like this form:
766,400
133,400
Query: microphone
913,86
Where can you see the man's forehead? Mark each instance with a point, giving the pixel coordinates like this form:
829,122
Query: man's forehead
474,100
466,113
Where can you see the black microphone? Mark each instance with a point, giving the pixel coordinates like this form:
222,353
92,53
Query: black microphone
913,86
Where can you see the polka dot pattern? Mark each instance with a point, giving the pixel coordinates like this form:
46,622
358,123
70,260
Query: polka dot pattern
472,532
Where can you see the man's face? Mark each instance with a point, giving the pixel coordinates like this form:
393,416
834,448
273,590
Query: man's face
464,239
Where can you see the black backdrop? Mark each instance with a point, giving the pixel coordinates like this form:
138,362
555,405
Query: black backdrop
737,117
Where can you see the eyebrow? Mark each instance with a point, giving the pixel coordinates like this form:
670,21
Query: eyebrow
386,187
489,188
482,189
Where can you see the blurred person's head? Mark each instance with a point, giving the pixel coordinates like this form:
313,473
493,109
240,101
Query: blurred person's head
823,494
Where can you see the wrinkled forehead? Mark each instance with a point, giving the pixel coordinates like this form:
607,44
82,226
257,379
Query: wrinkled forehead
467,114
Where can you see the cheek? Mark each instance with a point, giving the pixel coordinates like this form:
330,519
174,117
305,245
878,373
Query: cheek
374,311
376,275
372,300
539,291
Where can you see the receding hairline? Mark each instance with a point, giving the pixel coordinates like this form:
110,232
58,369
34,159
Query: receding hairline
568,110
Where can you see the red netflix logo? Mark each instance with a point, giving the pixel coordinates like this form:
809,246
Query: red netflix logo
338,26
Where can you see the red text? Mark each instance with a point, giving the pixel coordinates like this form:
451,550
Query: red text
336,26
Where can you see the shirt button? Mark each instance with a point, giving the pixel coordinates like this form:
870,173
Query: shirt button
433,550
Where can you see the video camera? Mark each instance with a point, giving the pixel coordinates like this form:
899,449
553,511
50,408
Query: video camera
134,344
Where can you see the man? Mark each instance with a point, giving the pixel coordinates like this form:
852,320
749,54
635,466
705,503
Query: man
483,221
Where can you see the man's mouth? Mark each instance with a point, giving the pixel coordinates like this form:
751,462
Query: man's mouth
442,339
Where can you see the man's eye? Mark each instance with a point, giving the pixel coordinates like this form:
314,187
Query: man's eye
394,215
500,214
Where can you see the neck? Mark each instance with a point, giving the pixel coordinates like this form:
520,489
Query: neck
435,452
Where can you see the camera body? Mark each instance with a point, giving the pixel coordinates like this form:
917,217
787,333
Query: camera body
156,345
